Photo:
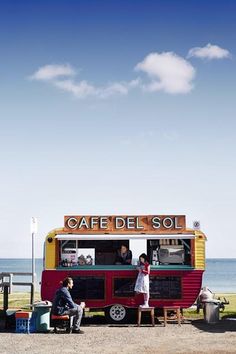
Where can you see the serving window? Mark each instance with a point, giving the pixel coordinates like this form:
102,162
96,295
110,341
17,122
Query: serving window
89,252
169,251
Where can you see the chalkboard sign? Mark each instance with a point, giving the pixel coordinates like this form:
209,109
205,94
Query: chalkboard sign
165,288
88,288
124,287
160,287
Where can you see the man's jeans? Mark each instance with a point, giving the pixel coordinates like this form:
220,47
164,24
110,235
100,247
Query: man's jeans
77,312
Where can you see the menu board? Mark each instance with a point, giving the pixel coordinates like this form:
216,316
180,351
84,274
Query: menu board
124,287
88,288
160,287
165,288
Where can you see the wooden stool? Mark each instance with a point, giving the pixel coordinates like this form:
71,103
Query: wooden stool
63,321
176,309
146,309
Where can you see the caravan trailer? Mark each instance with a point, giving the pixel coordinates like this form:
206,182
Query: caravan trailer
85,249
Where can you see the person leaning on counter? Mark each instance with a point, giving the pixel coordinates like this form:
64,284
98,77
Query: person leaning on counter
123,256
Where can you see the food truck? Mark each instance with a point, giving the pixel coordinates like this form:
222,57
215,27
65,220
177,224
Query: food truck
86,247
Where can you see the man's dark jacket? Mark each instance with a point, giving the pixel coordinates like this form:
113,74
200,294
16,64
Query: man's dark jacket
62,302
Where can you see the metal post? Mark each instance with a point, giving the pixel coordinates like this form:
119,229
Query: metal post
5,303
33,269
31,295
5,298
34,224
10,282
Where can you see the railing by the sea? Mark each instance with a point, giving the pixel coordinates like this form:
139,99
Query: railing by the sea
7,282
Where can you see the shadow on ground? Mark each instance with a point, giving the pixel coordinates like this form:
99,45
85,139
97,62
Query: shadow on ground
227,324
100,320
87,321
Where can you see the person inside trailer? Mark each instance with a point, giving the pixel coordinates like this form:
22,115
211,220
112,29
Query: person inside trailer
123,255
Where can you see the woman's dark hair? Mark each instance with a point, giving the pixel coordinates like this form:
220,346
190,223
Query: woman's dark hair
124,245
66,281
143,255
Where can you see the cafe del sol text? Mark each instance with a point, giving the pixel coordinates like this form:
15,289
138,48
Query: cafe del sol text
125,223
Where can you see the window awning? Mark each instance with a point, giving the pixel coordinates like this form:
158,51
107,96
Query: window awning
92,237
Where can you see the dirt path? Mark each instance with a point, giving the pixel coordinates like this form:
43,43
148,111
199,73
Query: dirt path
189,338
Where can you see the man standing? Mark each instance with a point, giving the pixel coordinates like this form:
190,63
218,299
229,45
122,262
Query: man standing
64,305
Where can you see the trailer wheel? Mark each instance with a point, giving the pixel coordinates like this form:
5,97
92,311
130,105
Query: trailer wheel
116,314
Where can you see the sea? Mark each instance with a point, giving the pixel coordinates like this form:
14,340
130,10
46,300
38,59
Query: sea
219,277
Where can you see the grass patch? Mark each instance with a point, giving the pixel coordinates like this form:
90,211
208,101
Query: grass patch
22,301
19,300
230,310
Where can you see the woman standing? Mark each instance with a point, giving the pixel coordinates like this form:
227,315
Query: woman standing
142,282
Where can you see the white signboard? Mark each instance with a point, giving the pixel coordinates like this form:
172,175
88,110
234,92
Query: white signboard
34,225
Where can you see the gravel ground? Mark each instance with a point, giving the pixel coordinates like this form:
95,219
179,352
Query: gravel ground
191,337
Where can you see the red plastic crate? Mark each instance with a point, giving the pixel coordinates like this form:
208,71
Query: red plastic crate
22,314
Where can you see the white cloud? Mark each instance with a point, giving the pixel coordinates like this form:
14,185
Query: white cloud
50,72
121,88
209,52
62,77
168,72
81,89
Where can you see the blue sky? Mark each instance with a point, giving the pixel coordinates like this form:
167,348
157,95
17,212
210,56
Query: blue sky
117,107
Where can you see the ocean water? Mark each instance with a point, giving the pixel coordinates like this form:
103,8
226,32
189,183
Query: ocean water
220,274
13,265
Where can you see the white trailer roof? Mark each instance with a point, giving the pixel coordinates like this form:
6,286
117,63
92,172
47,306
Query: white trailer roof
124,237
